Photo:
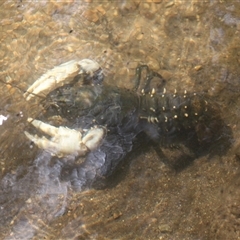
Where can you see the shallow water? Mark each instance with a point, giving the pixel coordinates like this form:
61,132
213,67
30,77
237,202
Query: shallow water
194,45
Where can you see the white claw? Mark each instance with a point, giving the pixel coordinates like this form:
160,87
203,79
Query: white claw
44,127
65,141
93,138
60,75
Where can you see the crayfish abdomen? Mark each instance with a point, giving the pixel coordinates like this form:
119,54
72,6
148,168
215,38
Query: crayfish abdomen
175,113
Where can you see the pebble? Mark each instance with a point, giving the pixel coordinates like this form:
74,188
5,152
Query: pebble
6,22
91,16
101,10
153,63
140,36
154,1
104,37
117,215
170,4
165,228
198,67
